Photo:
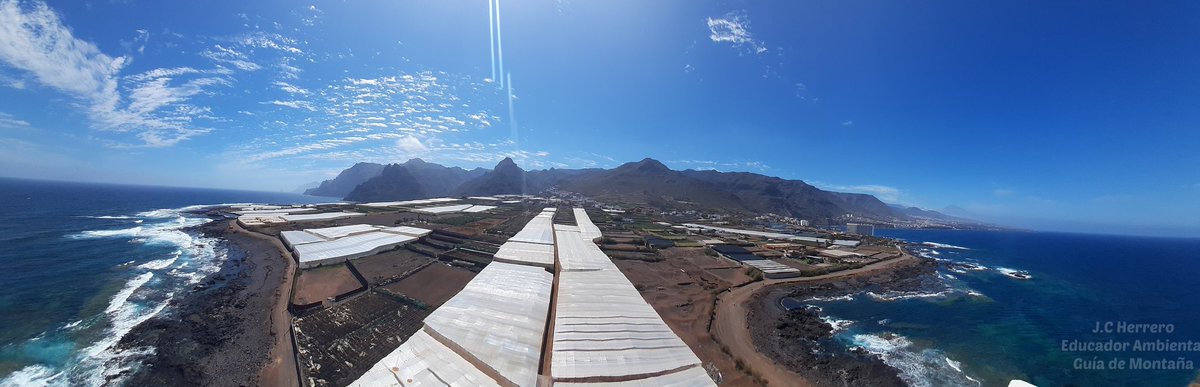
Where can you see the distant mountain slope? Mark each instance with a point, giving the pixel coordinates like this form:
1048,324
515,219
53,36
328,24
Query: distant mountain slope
414,179
793,197
650,182
646,182
345,181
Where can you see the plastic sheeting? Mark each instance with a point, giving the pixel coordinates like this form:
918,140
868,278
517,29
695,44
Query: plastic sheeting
586,227
423,361
341,231
576,253
295,238
499,318
321,216
538,230
763,234
443,209
603,328
526,253
351,247
691,377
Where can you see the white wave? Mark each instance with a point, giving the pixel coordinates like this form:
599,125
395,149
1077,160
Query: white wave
848,297
72,325
122,296
34,375
159,264
896,296
108,217
837,324
918,367
1014,273
944,246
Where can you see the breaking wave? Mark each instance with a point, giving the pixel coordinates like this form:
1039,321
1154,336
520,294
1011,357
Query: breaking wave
147,291
944,246
918,366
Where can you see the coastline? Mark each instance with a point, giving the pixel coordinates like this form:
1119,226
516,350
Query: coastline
226,330
747,320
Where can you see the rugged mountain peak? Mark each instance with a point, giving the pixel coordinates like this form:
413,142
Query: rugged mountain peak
647,165
415,161
508,164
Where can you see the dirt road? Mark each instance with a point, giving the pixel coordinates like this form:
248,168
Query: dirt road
280,369
731,329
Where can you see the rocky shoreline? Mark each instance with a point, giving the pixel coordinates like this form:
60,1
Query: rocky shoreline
219,333
801,341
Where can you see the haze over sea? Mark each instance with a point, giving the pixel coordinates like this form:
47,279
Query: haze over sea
84,263
976,325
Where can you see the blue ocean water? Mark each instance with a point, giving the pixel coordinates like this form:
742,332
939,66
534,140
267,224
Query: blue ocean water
978,326
82,264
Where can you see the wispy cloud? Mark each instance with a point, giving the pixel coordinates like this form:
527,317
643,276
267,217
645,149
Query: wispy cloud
734,29
885,193
847,123
155,105
723,165
1003,192
10,122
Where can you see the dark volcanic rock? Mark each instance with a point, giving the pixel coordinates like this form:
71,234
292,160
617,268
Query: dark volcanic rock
800,340
219,333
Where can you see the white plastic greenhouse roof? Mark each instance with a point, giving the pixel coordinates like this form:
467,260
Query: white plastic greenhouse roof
479,208
409,202
691,377
604,328
423,361
321,216
586,227
499,318
406,230
294,238
443,209
351,247
538,230
276,211
847,242
576,253
488,198
526,253
764,234
563,227
772,267
341,231
550,209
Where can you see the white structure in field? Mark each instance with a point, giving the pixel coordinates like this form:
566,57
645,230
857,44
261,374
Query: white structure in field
407,203
604,329
258,219
762,234
320,246
423,361
498,319
492,333
772,269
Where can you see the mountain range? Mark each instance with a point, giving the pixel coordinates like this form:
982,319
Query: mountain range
646,182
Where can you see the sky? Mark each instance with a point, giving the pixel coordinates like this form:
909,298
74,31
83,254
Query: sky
1072,116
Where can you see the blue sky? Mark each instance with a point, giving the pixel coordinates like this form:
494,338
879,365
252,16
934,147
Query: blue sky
1068,116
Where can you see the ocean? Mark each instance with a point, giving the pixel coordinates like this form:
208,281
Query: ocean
82,264
979,325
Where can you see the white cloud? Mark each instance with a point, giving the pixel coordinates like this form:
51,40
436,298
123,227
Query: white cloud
1003,192
410,144
292,89
734,28
33,39
883,192
848,123
294,104
9,121
722,165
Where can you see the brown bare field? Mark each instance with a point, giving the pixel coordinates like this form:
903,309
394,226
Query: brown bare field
390,265
324,282
434,284
684,295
